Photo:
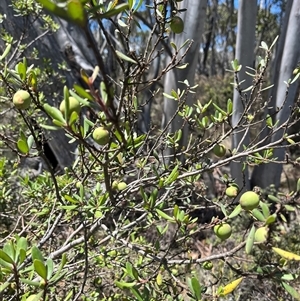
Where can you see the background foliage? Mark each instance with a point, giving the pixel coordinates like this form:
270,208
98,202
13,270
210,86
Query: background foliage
115,217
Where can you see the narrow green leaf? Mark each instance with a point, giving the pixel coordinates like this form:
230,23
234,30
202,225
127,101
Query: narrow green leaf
22,146
4,256
271,219
164,215
83,93
6,52
274,198
124,284
50,127
125,57
35,297
21,70
4,286
173,176
54,113
197,290
265,209
32,80
136,293
250,240
118,9
295,294
36,254
40,268
50,267
237,210
30,141
258,215
9,249
298,185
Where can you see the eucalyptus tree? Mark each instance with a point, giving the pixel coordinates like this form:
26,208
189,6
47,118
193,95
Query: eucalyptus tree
193,18
283,96
245,44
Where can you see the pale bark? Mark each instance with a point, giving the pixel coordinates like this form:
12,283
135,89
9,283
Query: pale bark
245,55
50,46
270,173
194,22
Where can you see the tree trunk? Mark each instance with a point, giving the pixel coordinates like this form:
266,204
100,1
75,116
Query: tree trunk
245,55
51,46
193,28
267,174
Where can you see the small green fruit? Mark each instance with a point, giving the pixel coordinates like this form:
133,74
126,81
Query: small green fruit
219,150
114,185
231,191
207,265
249,200
78,184
261,234
177,25
223,231
22,100
101,135
121,186
74,106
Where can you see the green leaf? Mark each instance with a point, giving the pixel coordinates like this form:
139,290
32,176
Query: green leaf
131,271
4,286
50,267
220,110
54,113
59,273
40,268
196,288
271,219
269,121
124,284
21,69
274,198
237,210
32,80
258,215
136,293
76,12
30,141
83,93
22,146
250,240
36,254
164,215
118,9
69,208
229,106
173,176
4,256
298,185
22,256
5,52
9,249
265,209
289,277
125,57
295,294
35,297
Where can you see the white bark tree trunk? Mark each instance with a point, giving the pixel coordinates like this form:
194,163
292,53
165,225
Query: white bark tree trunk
245,55
267,174
193,19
